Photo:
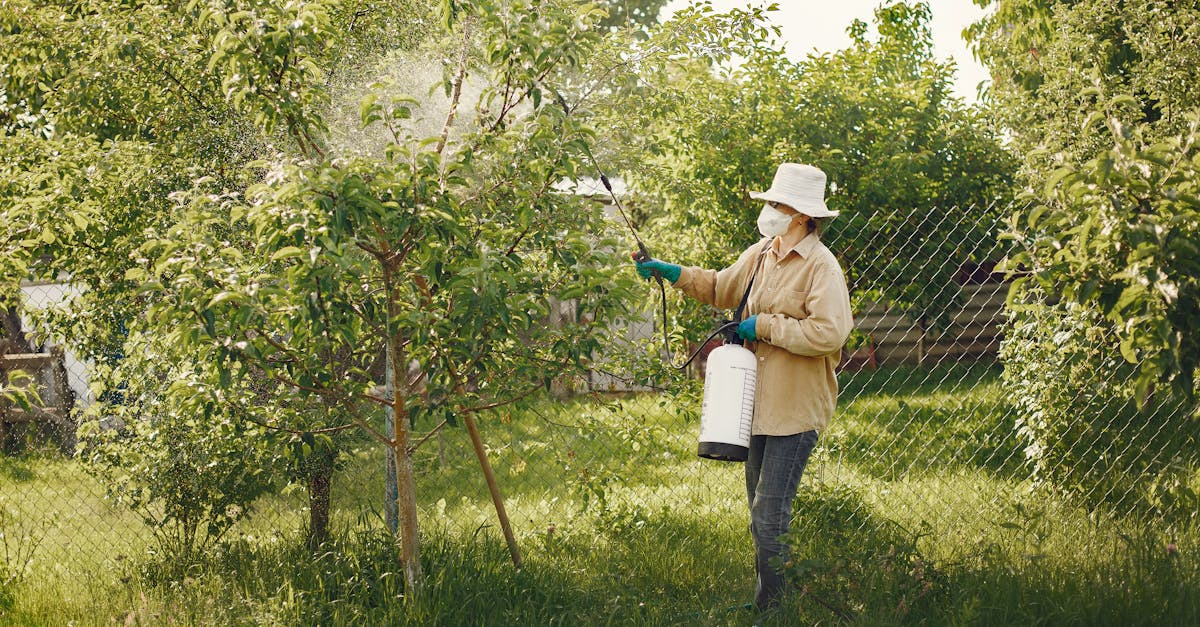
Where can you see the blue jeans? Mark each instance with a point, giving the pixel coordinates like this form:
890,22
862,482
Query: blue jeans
773,470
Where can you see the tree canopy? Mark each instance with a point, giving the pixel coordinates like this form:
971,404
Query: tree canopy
903,156
1101,110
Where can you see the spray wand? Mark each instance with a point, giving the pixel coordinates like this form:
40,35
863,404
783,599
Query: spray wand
643,254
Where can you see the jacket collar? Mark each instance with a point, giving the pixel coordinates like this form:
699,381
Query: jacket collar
804,247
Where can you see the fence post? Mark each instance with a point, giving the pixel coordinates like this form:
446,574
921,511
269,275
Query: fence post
391,512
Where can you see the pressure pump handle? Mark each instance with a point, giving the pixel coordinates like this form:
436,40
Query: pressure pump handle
729,331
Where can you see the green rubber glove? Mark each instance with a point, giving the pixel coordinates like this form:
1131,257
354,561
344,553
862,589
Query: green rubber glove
746,329
668,271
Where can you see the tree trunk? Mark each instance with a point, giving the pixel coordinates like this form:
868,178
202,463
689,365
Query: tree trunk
406,484
320,482
410,550
10,328
406,488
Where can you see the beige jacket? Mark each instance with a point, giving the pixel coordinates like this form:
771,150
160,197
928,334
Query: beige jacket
804,318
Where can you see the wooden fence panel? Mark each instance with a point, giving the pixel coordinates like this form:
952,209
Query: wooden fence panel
974,333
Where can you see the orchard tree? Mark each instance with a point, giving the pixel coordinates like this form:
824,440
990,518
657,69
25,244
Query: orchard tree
108,108
445,252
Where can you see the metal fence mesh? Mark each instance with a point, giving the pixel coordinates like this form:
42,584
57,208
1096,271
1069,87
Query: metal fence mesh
927,436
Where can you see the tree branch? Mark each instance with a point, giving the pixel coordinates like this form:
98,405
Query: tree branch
376,399
412,449
266,336
302,431
494,405
365,426
455,95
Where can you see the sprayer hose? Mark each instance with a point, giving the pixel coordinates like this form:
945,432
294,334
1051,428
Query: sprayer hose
708,339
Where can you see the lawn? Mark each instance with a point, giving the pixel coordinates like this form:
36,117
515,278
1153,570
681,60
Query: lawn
916,509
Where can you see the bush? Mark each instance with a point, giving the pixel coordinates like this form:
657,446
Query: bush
189,468
1078,414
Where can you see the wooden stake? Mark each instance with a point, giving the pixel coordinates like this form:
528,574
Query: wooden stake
497,500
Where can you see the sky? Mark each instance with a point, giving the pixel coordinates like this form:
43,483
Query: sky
820,26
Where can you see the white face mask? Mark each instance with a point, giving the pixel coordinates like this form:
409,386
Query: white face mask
773,222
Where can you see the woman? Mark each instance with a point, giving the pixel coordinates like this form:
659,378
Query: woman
798,319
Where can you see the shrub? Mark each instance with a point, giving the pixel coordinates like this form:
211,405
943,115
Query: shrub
189,468
1079,419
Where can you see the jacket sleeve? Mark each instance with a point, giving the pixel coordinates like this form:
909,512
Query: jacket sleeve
720,288
827,326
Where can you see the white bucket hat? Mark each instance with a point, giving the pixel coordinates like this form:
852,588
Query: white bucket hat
799,186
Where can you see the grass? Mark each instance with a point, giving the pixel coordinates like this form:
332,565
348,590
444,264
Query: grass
915,510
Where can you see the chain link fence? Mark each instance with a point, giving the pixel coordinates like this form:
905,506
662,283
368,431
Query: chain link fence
934,445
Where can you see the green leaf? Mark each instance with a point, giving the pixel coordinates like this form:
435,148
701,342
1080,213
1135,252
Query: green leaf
1035,215
1088,289
287,252
222,298
1143,386
1123,99
210,322
1127,349
1128,296
1057,177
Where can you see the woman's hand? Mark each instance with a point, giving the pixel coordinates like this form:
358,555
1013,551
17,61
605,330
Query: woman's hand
746,329
668,271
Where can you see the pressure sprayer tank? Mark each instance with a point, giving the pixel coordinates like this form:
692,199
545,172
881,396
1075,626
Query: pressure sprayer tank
728,406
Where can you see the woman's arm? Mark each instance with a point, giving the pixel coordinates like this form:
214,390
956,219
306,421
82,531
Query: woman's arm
720,288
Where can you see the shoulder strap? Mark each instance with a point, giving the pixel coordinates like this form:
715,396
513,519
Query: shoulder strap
737,315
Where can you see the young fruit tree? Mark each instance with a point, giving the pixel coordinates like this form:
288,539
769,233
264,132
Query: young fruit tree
441,256
107,108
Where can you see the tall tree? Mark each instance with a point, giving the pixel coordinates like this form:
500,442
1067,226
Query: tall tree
1095,97
916,173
